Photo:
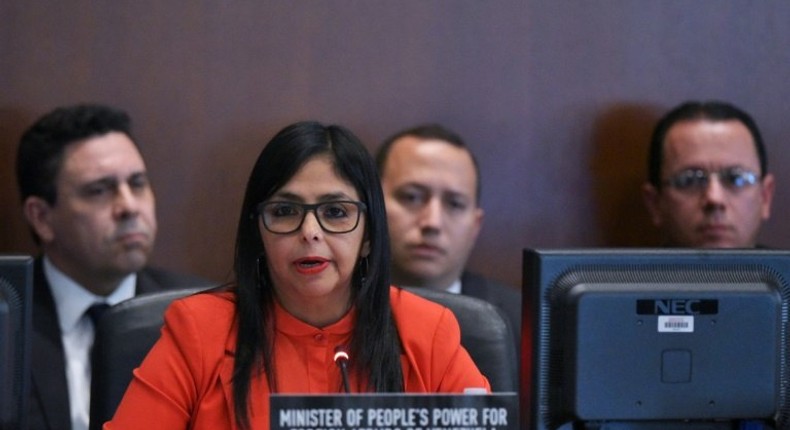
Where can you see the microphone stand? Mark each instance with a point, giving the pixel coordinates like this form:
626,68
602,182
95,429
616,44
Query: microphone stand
341,359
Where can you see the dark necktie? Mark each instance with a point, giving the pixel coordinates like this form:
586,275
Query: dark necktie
95,312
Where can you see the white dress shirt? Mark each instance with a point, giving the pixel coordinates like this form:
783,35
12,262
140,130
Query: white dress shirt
454,288
77,332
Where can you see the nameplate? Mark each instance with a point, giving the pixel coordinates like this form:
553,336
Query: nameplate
394,411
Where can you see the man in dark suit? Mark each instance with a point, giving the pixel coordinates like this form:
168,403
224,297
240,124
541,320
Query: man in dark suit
87,198
431,188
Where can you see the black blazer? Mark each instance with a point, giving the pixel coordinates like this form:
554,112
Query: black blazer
508,299
49,395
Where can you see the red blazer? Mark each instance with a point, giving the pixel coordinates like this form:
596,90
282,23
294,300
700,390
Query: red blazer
185,381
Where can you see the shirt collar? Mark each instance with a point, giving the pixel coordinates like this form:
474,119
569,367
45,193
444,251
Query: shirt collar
454,288
72,300
289,324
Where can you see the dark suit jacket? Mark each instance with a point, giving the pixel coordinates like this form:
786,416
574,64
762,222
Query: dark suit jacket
508,299
49,402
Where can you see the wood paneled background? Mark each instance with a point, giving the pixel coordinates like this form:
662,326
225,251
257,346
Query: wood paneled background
557,98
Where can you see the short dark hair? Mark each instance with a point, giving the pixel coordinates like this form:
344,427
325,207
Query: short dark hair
374,342
712,110
40,154
429,131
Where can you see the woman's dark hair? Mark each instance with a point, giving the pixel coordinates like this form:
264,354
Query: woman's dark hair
375,343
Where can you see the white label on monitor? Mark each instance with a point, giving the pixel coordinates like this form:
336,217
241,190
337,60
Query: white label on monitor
675,324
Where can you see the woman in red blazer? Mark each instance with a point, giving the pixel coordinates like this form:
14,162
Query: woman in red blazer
312,276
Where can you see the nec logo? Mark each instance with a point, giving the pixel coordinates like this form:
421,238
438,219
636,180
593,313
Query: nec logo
677,307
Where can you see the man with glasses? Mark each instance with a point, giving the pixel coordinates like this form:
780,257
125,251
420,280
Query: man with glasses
708,185
431,185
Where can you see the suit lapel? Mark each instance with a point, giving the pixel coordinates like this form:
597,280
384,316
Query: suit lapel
471,286
50,399
146,283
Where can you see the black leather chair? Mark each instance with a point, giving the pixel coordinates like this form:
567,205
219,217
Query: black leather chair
486,335
125,334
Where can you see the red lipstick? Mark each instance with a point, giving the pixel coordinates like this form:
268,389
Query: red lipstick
311,265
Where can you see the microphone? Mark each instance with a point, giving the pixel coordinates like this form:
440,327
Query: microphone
341,359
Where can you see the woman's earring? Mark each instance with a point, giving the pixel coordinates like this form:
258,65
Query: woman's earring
363,269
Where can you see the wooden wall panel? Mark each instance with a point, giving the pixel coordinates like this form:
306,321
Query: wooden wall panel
556,98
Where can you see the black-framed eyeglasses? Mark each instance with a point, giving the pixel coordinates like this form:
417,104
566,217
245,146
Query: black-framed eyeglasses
694,180
340,216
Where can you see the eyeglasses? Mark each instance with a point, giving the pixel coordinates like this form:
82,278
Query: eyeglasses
693,180
333,217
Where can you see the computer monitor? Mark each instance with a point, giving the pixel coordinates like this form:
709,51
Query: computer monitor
16,307
655,339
